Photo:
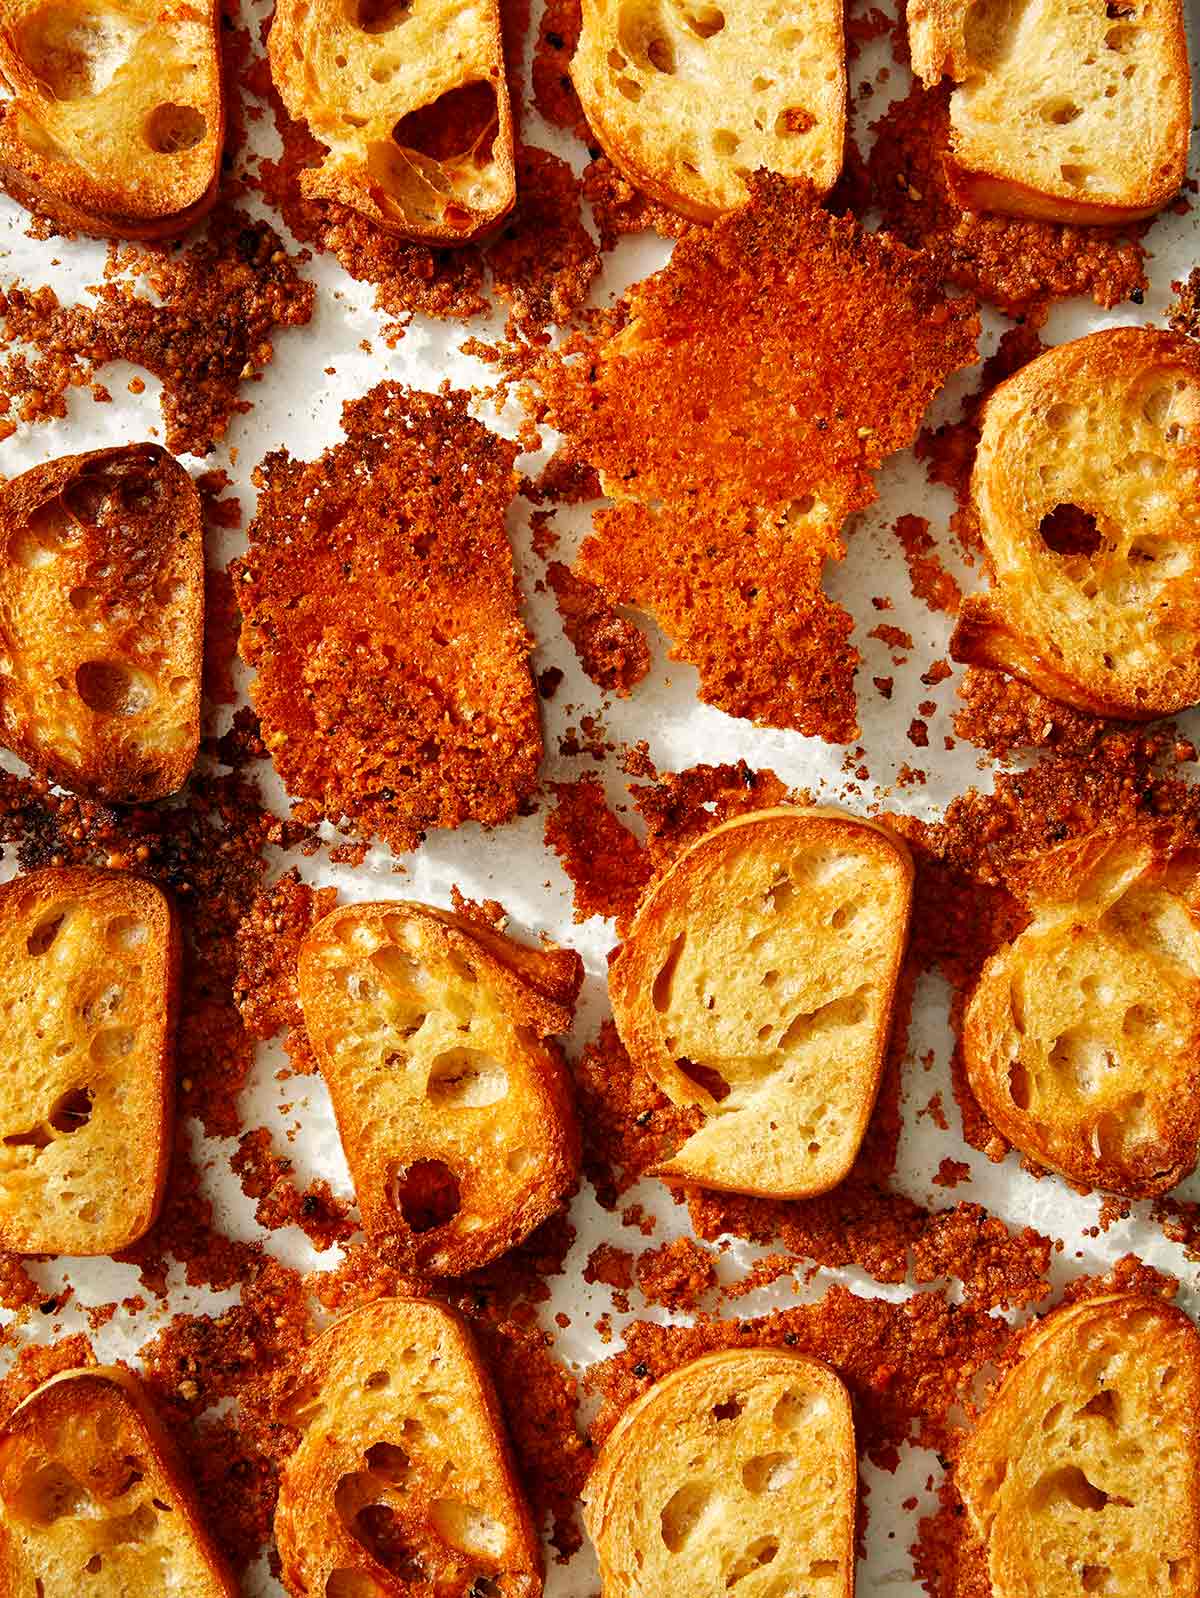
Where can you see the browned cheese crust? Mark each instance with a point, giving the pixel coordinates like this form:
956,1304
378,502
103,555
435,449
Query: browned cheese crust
736,408
381,618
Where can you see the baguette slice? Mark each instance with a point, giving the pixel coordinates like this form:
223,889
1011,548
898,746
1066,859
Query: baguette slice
118,117
1066,112
1083,1474
411,100
95,1500
403,1476
688,97
89,966
102,621
454,1107
1086,484
1082,1036
736,1473
756,984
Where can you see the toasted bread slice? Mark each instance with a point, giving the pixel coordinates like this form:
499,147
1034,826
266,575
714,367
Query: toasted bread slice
756,983
738,1461
1082,1036
95,1499
411,99
454,1107
403,1476
89,964
102,621
1083,1473
1067,112
688,97
1085,484
118,116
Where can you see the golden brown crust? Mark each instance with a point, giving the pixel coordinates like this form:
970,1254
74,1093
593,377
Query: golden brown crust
411,103
453,1104
102,621
1085,486
404,1473
981,191
799,919
90,1479
86,1125
1084,1470
380,615
118,118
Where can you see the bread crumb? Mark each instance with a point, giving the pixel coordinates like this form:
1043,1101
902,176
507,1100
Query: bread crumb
928,578
677,1275
216,305
1017,264
608,868
611,650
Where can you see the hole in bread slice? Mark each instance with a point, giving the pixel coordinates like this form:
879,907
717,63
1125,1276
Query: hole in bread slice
170,129
1070,530
466,1079
112,689
351,1584
705,21
439,166
426,1193
43,935
71,1111
645,35
48,1492
753,1557
706,1077
684,1511
1103,1405
454,128
467,1528
378,16
382,1532
769,1473
1071,1485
